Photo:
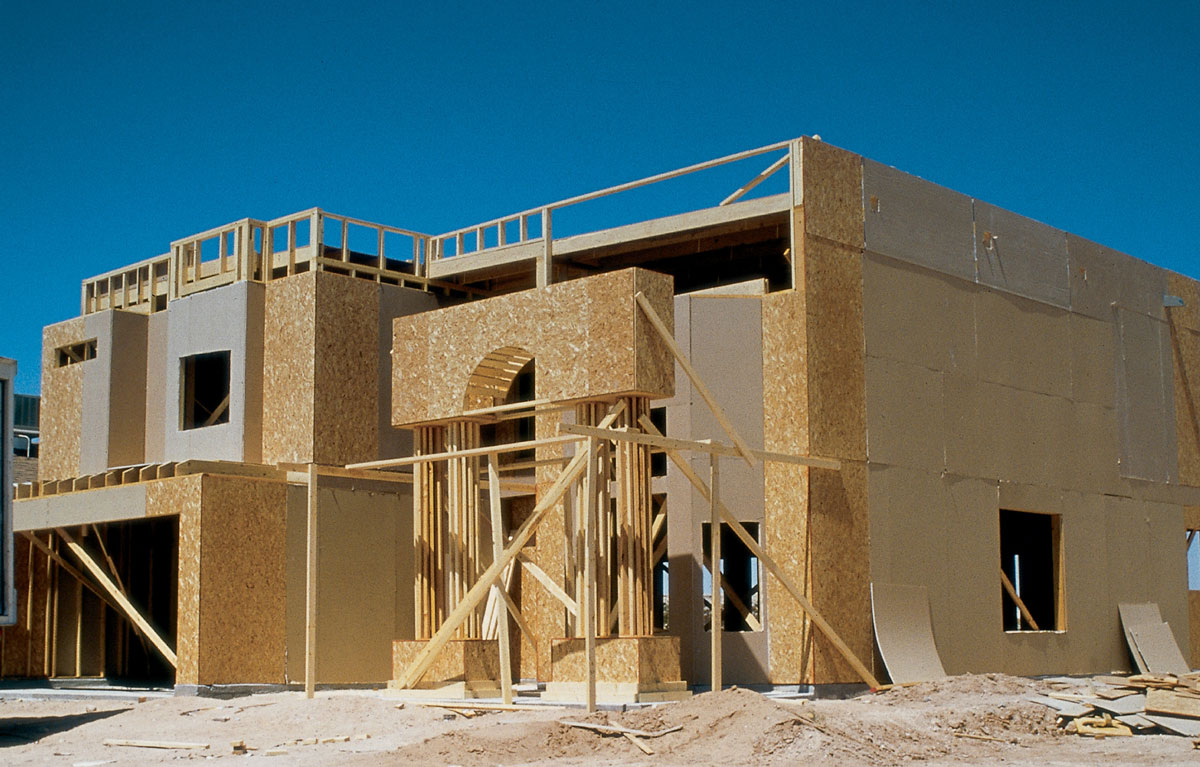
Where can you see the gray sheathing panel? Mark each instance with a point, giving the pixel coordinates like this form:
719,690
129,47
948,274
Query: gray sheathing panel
1145,398
1022,256
106,504
8,591
395,301
212,321
916,221
724,343
156,384
112,427
94,420
1103,279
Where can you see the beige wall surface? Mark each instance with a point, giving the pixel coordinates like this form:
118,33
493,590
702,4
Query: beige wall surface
979,400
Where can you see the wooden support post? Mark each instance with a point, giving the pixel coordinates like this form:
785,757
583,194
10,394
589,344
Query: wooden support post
498,549
818,620
122,601
310,589
588,607
570,473
701,389
717,624
545,263
1012,594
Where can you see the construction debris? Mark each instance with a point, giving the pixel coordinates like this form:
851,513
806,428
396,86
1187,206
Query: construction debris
1141,703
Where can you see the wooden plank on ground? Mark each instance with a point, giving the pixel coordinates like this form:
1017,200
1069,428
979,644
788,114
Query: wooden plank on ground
1172,703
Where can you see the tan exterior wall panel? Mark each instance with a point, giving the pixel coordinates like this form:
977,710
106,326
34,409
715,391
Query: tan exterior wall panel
917,316
905,415
1023,344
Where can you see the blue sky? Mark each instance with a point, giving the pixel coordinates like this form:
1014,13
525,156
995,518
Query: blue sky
127,125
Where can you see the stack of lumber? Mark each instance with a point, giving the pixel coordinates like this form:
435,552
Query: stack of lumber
1125,705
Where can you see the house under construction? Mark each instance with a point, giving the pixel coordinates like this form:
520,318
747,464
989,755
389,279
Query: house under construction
321,450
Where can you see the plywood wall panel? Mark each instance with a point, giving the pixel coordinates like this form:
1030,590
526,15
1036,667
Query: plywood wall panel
184,495
289,384
832,181
584,335
346,370
841,567
785,379
242,620
787,537
836,397
62,403
1185,347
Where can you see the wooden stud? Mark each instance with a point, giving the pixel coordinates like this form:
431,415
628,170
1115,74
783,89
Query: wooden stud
1012,594
656,439
497,549
570,473
310,588
701,389
773,567
545,264
122,601
588,606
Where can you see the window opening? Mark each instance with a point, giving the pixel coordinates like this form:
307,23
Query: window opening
75,353
739,580
658,460
1193,560
662,565
1030,560
205,390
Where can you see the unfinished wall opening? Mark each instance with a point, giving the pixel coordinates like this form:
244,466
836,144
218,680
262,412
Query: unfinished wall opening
204,390
658,459
662,564
75,353
1193,560
1031,571
739,579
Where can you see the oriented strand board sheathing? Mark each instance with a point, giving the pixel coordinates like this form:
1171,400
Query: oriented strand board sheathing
460,660
836,397
785,365
1186,288
644,660
546,616
289,386
62,403
171,496
833,181
583,335
23,645
787,538
840,562
242,620
185,496
346,370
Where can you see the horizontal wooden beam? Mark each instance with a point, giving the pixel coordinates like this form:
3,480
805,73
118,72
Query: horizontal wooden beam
716,448
511,447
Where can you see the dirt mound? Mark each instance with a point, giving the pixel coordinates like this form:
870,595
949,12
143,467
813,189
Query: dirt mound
962,687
